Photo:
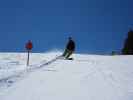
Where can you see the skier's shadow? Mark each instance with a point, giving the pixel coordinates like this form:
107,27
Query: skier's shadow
49,62
46,63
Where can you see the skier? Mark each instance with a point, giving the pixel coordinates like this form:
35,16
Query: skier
70,48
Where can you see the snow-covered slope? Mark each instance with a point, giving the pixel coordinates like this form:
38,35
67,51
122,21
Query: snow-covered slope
87,77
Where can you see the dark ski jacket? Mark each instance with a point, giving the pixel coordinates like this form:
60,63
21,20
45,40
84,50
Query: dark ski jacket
70,45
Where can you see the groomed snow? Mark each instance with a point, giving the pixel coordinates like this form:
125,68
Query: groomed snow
87,77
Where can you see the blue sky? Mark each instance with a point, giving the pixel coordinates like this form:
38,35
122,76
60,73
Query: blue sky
97,26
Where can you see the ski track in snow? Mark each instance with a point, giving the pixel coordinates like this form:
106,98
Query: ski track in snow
101,69
16,76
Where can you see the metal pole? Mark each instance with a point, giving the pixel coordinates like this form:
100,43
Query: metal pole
28,57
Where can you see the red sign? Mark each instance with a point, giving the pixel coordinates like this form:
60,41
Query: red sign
29,45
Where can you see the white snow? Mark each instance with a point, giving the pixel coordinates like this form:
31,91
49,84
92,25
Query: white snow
87,77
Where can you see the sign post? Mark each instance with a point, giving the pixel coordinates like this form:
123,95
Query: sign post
29,47
28,58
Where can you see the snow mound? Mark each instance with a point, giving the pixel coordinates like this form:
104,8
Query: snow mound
87,77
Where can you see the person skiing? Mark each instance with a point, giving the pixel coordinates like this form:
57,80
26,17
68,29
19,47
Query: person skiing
70,48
